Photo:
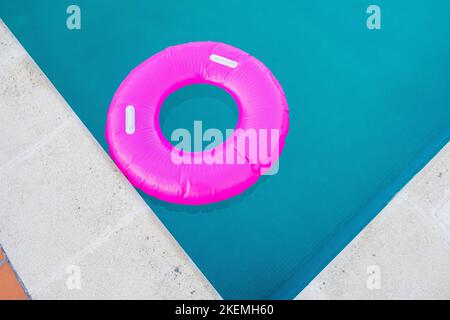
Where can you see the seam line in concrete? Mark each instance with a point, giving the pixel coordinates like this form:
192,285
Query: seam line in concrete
95,244
28,152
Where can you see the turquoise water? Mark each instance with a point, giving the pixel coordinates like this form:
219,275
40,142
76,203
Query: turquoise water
368,109
213,106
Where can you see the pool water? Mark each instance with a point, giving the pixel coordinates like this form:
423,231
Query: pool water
368,109
198,108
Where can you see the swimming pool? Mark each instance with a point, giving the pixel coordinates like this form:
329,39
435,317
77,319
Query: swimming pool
368,109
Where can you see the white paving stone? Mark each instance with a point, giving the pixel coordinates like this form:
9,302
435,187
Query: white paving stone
30,109
135,261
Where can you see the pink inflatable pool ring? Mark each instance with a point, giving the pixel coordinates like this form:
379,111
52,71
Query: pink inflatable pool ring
154,165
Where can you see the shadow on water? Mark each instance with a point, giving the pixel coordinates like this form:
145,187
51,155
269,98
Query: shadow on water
208,208
208,103
188,94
